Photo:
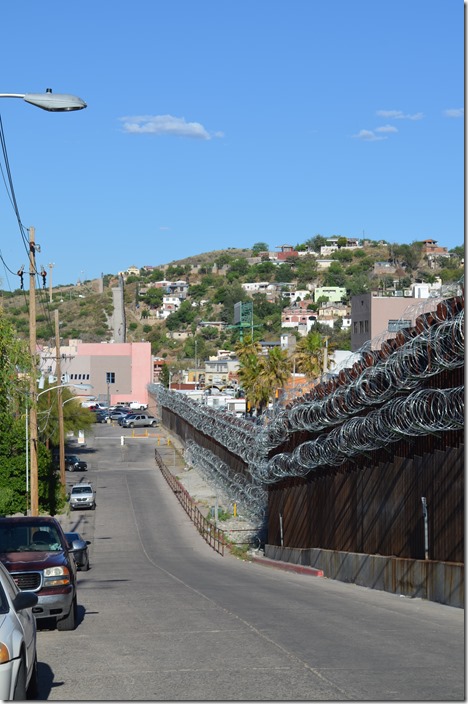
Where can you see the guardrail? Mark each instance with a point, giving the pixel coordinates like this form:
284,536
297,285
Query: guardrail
212,535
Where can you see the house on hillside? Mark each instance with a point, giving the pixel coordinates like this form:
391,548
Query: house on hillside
287,250
430,247
299,318
332,245
131,271
335,294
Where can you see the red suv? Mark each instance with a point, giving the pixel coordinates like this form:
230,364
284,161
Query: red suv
35,551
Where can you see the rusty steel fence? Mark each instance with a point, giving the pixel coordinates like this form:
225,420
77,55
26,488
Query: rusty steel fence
212,535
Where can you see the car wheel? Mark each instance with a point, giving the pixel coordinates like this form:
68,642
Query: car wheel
153,424
69,622
20,686
86,565
131,425
32,691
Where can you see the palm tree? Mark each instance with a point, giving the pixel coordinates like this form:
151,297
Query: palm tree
248,374
275,371
261,376
309,354
247,347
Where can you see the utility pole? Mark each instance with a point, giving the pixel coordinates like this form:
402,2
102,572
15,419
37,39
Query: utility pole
58,374
33,439
325,356
51,266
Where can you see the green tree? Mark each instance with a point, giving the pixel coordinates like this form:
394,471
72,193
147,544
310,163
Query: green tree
306,270
335,275
309,354
156,275
182,317
314,243
260,376
153,297
259,247
164,375
275,370
458,251
15,369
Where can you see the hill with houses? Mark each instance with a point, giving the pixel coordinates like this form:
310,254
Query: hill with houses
186,308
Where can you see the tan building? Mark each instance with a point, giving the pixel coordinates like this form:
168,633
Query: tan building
374,315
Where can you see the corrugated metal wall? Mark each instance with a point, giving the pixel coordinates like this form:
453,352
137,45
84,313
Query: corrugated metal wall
375,508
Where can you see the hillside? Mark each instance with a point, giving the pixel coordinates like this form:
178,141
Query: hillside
214,285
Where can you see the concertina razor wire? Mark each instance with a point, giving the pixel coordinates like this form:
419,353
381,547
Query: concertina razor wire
384,384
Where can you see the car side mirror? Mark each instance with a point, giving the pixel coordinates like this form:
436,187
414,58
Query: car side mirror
79,545
25,600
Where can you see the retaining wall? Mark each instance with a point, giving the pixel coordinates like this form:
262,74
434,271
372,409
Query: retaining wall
443,582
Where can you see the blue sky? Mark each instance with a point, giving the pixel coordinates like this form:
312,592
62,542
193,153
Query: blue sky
216,124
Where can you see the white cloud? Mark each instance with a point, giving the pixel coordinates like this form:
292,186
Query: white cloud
368,136
399,115
386,128
454,112
165,124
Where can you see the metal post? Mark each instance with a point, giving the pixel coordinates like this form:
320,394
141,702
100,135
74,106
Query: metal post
281,528
58,373
426,528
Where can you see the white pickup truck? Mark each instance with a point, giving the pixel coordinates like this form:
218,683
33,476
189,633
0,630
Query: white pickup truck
136,405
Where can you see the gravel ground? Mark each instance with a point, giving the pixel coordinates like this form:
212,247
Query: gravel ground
238,529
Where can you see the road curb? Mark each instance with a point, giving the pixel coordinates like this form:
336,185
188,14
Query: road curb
287,566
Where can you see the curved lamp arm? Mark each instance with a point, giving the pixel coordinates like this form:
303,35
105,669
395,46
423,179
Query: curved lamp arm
52,102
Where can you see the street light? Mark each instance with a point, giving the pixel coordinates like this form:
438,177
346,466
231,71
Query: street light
52,103
59,387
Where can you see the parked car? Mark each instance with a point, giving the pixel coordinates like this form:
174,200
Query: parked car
18,656
81,553
101,416
36,553
74,464
117,415
100,407
138,420
82,496
137,406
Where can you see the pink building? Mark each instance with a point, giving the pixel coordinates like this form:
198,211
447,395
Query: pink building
117,371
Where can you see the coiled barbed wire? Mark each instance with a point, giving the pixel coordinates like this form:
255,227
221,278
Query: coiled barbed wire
250,496
436,349
387,377
420,413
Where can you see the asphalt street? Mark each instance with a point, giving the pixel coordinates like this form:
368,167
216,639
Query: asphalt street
162,617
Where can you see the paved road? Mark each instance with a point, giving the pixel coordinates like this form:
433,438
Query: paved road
163,617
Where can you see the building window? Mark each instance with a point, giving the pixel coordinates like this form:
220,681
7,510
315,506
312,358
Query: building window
396,325
110,377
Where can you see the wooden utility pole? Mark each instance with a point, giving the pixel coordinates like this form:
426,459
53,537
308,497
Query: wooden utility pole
58,374
33,438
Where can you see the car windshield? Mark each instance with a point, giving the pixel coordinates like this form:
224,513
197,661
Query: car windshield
24,538
81,490
72,458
